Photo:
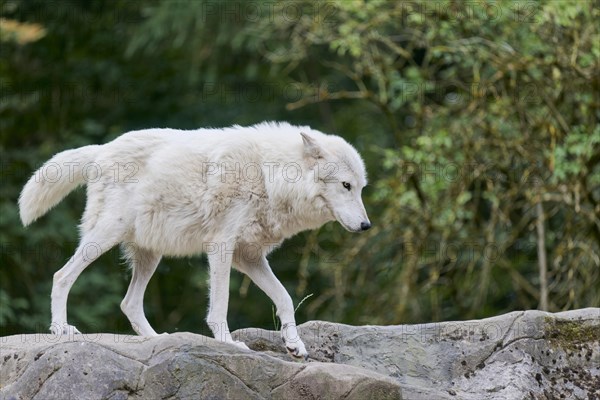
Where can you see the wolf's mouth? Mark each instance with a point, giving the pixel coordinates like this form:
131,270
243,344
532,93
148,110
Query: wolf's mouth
346,227
351,229
337,217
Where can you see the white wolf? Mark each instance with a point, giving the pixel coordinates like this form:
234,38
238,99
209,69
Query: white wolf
232,193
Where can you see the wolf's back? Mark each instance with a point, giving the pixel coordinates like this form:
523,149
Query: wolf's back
53,181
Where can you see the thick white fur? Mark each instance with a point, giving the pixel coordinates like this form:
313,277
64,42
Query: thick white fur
233,193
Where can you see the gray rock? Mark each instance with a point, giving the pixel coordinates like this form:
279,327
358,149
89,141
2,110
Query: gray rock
527,354
518,355
176,366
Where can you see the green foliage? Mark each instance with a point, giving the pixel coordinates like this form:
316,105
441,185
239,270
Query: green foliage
468,114
572,155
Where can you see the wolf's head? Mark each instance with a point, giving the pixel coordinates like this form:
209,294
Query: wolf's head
340,174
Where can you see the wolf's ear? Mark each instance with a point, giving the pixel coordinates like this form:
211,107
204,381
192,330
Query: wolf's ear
311,148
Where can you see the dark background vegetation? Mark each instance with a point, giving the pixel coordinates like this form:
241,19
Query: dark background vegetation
478,122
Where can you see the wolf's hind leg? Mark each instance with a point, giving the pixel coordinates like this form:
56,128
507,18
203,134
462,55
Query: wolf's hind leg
143,264
89,249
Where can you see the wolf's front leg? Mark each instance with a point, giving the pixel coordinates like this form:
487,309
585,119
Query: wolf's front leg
261,274
219,299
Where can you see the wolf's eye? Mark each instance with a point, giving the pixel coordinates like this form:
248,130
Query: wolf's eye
347,186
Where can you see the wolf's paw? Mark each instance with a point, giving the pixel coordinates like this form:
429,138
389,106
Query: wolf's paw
63,329
293,344
240,344
296,349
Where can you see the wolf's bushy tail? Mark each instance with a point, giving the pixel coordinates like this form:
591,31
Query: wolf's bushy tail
53,181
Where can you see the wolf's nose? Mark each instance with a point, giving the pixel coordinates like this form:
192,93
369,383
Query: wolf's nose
364,226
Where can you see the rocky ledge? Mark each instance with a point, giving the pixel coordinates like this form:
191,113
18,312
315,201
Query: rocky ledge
520,355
